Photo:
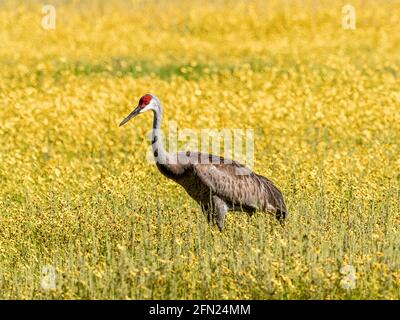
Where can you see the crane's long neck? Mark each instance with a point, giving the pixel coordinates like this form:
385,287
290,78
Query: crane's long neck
166,163
160,155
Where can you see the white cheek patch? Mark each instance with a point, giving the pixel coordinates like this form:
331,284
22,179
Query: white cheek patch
147,108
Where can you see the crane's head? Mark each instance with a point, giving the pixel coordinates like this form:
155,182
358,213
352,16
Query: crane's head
146,103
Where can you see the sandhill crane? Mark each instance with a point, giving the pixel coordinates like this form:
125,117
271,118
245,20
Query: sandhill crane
211,180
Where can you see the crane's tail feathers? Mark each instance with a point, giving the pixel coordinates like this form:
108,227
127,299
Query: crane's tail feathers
275,197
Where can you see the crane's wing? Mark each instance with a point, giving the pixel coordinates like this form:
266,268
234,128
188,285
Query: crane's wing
237,184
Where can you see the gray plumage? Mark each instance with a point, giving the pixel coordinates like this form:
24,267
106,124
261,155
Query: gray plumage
219,185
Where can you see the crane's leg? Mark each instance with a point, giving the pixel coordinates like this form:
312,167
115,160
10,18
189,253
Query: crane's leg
220,209
206,210
280,216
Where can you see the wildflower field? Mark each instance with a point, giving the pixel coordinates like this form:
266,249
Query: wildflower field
81,206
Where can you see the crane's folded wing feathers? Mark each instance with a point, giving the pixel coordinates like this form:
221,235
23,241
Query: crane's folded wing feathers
228,182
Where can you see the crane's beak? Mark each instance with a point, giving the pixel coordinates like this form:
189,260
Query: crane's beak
133,114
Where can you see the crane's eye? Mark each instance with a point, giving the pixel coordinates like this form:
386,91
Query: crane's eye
145,100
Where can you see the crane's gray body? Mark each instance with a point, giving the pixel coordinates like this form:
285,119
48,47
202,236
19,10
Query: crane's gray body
219,185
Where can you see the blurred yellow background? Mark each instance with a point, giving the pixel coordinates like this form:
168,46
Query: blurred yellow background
78,194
